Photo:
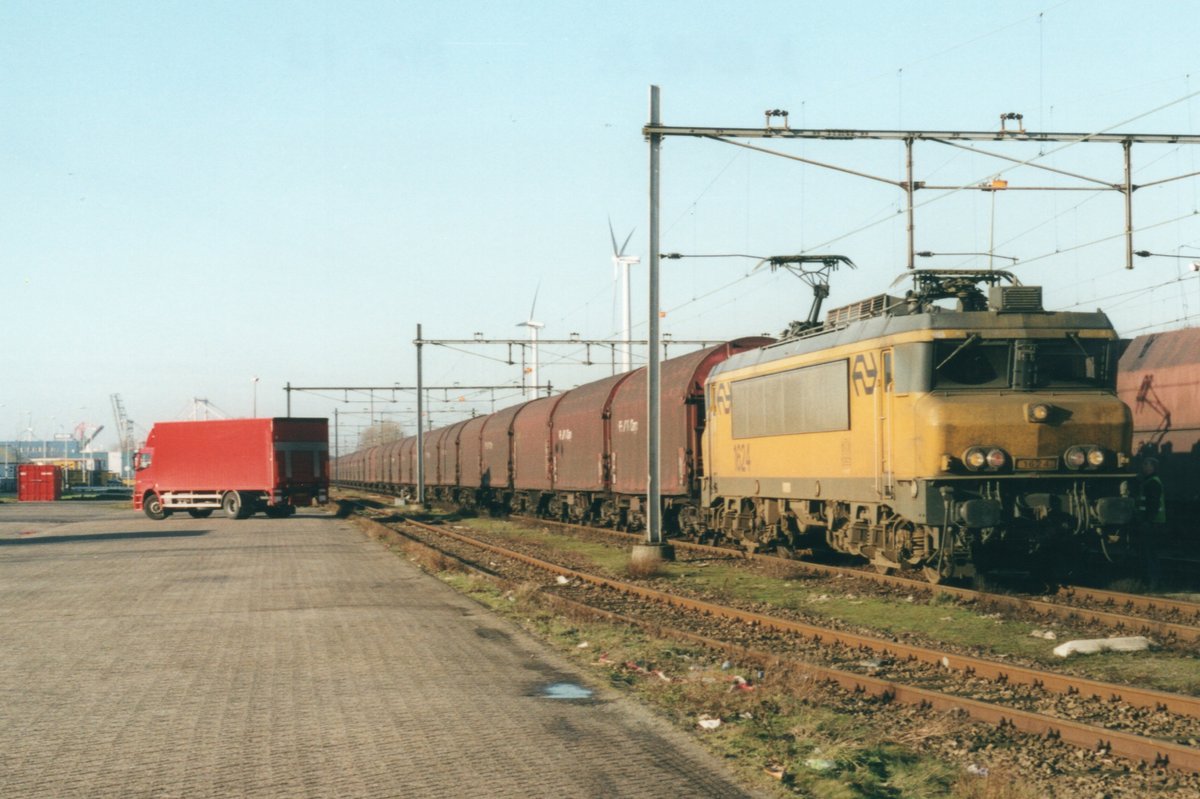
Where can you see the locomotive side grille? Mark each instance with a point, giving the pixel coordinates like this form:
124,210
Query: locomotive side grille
1015,299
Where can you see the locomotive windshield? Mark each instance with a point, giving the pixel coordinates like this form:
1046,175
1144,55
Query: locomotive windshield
1021,363
1067,363
973,363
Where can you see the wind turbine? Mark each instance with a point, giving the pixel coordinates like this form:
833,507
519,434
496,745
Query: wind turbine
534,327
622,262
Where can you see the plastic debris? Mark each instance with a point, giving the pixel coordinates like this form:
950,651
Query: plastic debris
740,683
726,666
562,580
1049,635
820,764
977,771
1134,643
640,669
582,645
709,723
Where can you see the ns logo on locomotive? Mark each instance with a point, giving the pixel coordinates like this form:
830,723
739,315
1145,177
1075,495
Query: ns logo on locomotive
958,429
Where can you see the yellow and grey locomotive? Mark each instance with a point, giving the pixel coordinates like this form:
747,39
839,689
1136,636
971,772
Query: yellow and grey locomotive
949,439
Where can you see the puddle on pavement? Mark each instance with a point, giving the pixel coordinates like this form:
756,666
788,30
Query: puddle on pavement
565,690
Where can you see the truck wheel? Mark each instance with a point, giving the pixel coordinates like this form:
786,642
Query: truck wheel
200,513
231,503
152,505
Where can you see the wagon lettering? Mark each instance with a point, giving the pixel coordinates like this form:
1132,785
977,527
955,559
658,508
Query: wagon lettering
627,425
564,435
863,374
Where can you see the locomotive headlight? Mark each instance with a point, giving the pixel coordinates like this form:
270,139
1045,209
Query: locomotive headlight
1040,412
997,459
991,459
1096,457
1075,458
975,458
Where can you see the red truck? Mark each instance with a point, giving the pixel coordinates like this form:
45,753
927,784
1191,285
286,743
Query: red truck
238,465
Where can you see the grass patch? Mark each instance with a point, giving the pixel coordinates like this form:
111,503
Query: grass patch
594,554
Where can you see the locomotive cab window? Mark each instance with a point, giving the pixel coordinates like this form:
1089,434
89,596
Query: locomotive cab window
1066,363
972,363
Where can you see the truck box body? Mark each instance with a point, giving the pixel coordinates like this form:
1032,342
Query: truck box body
270,464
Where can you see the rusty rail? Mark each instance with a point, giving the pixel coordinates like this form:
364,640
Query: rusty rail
1139,601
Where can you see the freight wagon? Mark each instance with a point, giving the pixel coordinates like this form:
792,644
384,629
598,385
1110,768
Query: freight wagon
1160,381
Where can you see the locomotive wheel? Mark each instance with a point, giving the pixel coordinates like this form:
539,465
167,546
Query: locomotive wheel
153,508
932,574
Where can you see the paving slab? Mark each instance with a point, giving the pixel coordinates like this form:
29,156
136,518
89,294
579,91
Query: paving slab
287,658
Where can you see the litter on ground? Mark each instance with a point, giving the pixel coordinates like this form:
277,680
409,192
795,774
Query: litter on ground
1135,643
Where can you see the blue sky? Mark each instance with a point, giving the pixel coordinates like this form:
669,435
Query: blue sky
198,194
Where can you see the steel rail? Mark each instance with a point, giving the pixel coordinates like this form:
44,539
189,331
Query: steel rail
1157,752
1139,601
1109,619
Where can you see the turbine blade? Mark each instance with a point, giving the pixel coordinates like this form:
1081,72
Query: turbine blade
627,238
535,293
612,236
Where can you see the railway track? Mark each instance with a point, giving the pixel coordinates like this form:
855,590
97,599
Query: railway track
912,669
1167,621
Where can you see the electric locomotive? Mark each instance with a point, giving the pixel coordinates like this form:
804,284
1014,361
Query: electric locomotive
951,440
